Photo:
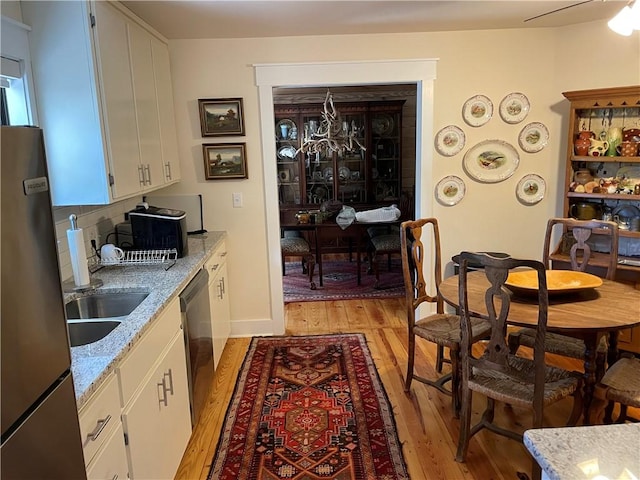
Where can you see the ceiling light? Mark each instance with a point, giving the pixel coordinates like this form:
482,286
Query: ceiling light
627,20
331,134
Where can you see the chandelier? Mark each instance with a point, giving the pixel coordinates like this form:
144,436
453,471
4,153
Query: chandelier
331,134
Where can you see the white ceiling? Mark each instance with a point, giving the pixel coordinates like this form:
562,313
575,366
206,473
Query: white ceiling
187,19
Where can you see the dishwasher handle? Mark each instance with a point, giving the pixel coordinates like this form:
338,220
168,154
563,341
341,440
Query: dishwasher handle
200,281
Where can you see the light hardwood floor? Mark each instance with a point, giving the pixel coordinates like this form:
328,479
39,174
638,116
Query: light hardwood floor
427,430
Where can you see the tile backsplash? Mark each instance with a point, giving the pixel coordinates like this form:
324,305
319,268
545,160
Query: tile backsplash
97,222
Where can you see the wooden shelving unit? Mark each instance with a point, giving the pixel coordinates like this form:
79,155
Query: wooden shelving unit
596,111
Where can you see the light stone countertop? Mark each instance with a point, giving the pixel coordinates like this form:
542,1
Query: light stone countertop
603,451
90,364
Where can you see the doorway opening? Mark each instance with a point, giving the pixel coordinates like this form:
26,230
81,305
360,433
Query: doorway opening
420,72
378,172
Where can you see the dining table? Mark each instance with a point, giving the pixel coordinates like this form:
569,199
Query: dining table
588,314
318,229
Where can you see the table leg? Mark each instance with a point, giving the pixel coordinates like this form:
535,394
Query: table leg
591,341
612,351
316,234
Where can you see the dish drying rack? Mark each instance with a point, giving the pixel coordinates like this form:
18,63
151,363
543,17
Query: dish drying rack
165,257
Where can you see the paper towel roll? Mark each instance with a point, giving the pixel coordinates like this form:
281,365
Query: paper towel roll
78,255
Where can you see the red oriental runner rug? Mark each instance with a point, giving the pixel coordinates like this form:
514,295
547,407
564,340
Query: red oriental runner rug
341,282
306,408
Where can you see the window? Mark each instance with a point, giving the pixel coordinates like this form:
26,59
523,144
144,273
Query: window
16,89
14,108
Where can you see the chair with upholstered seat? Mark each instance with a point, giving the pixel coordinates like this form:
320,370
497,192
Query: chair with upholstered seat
417,238
576,233
620,384
293,245
385,240
497,374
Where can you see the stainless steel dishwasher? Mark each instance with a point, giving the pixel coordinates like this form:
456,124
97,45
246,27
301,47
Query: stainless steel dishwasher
198,337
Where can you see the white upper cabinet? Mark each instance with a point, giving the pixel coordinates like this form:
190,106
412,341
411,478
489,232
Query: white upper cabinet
103,91
164,92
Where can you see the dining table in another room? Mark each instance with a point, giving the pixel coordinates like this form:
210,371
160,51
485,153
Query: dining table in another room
585,313
319,229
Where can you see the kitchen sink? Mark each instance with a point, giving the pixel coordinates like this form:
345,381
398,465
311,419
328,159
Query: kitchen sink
82,332
104,305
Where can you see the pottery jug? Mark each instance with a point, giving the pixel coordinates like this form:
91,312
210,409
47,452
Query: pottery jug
631,135
585,211
583,176
628,149
598,147
614,137
583,142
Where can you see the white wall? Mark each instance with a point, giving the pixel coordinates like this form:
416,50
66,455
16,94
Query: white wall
541,63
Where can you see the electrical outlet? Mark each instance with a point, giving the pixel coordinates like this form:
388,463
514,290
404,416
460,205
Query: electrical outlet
91,233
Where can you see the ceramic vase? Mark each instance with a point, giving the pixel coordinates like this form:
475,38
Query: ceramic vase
583,142
614,137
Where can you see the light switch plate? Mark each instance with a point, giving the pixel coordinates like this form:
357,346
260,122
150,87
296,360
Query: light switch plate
237,199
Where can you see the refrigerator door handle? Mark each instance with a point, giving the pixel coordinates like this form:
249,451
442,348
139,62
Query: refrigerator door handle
100,424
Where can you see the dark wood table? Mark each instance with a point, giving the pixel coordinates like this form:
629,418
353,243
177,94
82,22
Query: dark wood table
357,232
587,315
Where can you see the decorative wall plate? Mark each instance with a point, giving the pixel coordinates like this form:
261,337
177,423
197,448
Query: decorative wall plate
514,107
285,126
533,137
287,153
531,189
491,161
450,190
449,140
344,174
382,124
477,110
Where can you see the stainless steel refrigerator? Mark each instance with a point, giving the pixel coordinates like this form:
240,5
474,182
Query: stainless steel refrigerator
40,430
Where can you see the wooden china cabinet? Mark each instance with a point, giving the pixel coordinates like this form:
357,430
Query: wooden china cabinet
603,111
362,179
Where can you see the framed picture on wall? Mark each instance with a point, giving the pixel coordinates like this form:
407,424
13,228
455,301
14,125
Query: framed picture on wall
221,117
224,161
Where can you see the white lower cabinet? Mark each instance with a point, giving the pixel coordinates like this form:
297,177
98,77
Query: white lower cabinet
102,436
110,463
157,420
219,300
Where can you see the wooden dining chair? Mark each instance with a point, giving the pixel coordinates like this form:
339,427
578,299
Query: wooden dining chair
417,239
385,239
497,374
620,384
293,245
575,237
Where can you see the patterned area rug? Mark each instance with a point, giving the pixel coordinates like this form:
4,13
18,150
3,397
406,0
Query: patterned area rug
341,282
309,407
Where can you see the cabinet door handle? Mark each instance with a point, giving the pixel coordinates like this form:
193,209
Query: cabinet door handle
168,170
162,393
141,175
147,170
215,267
223,254
100,424
170,375
220,290
224,285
